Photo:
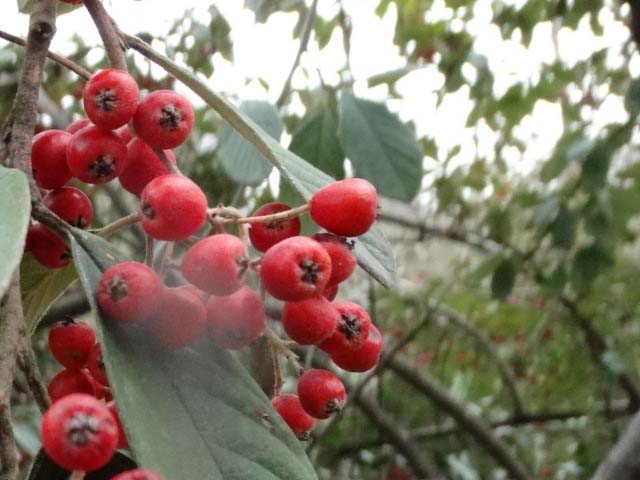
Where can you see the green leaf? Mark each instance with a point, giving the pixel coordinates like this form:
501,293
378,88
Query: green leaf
632,98
373,250
240,159
226,426
44,468
546,214
41,287
504,277
381,148
27,6
588,263
15,209
317,142
563,229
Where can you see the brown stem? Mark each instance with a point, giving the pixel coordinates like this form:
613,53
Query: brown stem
108,33
118,224
9,469
65,62
168,164
166,259
274,217
29,366
148,251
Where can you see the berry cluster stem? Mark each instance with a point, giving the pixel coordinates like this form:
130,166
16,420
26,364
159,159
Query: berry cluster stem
283,347
118,224
77,475
274,217
171,167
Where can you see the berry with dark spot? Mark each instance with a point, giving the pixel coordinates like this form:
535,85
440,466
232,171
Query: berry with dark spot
142,166
321,393
264,235
352,330
110,98
95,155
71,205
291,411
70,342
236,320
364,358
309,322
164,119
343,263
49,158
47,247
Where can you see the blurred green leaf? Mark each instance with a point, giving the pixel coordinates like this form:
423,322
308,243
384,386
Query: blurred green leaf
504,278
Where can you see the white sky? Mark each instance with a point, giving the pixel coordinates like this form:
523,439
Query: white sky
267,50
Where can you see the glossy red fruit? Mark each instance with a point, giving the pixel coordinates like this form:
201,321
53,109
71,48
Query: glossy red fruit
330,291
352,331
309,322
236,320
295,269
70,342
216,264
203,296
124,132
321,393
142,166
264,235
47,247
291,411
95,364
49,158
364,358
95,155
347,207
79,433
103,392
123,442
179,318
129,291
173,208
77,125
70,381
139,474
343,263
71,205
110,98
164,119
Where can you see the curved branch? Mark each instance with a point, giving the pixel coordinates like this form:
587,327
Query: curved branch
623,461
108,33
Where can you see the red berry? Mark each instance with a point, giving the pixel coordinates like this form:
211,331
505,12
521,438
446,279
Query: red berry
164,119
102,392
173,208
204,296
295,269
129,291
142,166
343,263
309,322
347,208
330,291
47,247
291,411
95,155
264,235
95,364
49,158
139,474
79,433
216,264
321,393
70,342
73,2
236,320
352,331
123,442
70,381
124,132
110,98
179,318
77,125
364,358
71,205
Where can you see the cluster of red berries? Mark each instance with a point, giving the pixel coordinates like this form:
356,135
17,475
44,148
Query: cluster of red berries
102,147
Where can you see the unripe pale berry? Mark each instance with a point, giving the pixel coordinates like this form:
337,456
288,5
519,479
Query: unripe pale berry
95,155
47,247
321,393
70,342
347,208
139,474
291,411
96,366
173,208
309,322
129,291
264,235
343,263
71,205
179,318
70,381
142,166
352,330
364,358
110,98
236,320
216,264
295,269
49,158
79,433
164,119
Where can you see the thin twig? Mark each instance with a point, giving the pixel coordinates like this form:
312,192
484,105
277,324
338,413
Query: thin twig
108,33
29,366
148,251
274,217
168,164
166,259
304,41
118,224
65,62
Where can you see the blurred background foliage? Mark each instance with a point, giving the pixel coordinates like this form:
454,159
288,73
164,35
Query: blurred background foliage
518,273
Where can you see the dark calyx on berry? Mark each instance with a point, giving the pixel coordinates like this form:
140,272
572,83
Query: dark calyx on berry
171,117
349,325
81,428
334,406
102,167
310,271
118,288
106,100
147,211
275,225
